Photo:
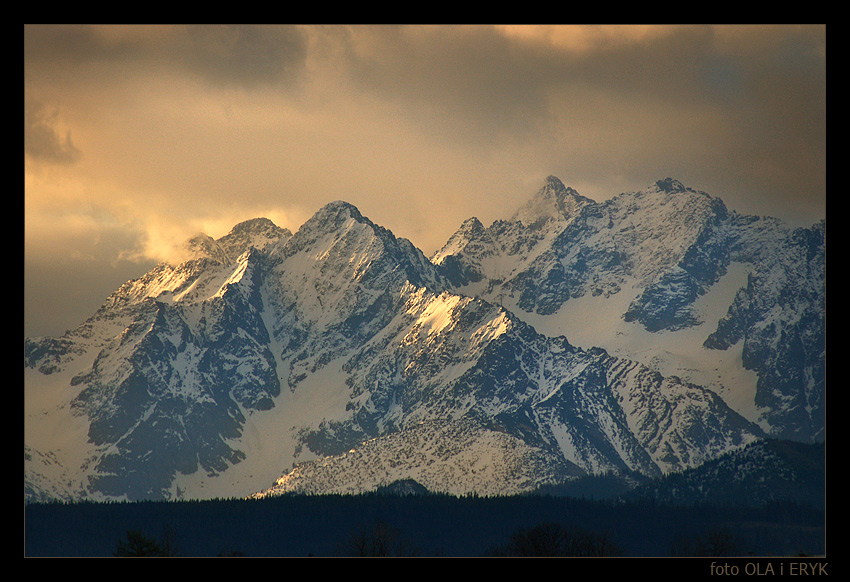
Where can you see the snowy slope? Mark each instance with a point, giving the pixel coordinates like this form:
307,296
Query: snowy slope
455,457
669,277
340,358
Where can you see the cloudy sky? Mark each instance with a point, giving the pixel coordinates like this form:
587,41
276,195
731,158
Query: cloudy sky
138,137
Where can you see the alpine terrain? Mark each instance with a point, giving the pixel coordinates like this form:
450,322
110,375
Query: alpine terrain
640,336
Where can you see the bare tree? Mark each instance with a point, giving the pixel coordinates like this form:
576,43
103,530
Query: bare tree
138,545
552,539
716,542
381,540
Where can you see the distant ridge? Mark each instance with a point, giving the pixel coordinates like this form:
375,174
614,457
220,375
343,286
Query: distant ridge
637,337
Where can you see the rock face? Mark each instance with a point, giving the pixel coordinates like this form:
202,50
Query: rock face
164,373
341,359
663,260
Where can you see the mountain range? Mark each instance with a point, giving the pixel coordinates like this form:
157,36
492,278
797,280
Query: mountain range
644,335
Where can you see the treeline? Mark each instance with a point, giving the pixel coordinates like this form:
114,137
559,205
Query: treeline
419,525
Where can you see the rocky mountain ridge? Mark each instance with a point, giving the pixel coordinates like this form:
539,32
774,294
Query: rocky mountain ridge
340,358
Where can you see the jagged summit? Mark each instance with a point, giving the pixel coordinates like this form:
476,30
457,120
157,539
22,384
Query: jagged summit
554,201
475,252
674,186
567,342
470,232
254,225
669,189
671,185
335,214
335,219
339,234
204,246
471,226
337,207
257,233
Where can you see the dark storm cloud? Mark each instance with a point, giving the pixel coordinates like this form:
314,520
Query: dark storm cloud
482,77
175,129
223,55
718,106
42,141
247,56
473,82
59,45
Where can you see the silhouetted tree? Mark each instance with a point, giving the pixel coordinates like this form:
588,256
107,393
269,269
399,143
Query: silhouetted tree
714,543
230,554
381,540
138,545
552,539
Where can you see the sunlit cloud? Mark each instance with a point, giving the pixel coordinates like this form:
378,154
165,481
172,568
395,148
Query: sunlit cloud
582,38
138,137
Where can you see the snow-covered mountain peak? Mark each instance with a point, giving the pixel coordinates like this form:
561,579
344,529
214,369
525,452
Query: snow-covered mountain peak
336,213
576,339
670,200
554,201
204,246
475,253
472,231
339,263
333,222
472,227
258,233
658,225
671,185
339,233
